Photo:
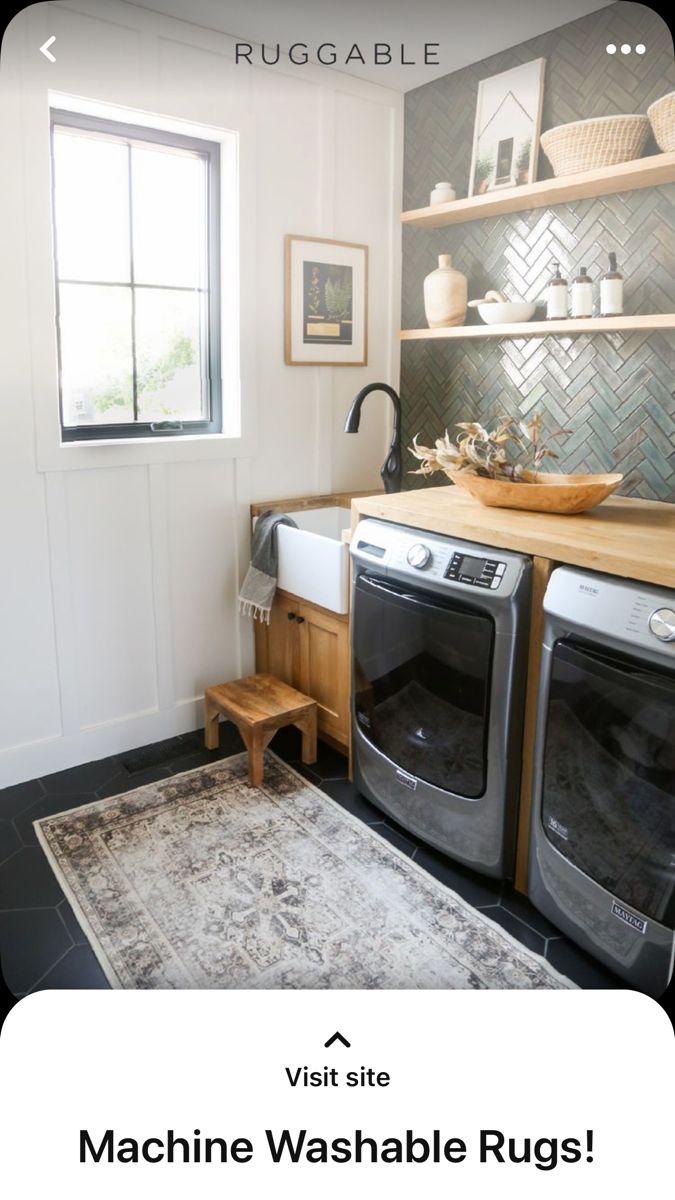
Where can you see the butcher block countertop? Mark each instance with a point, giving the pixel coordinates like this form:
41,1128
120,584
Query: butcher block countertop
622,536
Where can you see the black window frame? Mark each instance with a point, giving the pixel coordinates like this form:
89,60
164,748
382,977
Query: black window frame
213,422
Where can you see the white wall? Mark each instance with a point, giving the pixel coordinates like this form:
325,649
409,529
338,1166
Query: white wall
120,567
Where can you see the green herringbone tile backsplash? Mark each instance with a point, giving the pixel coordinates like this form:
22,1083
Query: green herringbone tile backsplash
614,391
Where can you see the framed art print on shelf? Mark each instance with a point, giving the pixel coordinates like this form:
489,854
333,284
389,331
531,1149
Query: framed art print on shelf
507,127
326,306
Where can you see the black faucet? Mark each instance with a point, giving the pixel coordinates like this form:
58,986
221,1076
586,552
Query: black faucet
391,467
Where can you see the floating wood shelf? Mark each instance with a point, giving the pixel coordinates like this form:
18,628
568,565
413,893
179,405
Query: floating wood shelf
622,324
626,177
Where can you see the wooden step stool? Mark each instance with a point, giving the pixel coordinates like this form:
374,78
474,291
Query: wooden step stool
259,705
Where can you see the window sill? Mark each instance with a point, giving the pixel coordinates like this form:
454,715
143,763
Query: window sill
127,452
147,441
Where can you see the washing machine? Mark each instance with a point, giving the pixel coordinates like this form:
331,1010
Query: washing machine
439,642
602,848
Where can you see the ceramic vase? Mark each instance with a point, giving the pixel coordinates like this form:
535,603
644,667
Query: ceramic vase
445,295
443,193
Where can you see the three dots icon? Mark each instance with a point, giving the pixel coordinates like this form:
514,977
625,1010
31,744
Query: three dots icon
625,48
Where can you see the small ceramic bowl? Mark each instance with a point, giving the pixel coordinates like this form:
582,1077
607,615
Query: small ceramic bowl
511,312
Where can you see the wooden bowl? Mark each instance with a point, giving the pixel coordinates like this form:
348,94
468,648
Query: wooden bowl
544,492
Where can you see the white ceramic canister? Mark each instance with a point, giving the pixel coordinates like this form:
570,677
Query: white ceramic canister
443,193
445,294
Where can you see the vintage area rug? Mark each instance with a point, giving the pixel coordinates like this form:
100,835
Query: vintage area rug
203,881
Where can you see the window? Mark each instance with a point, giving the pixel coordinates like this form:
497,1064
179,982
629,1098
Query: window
136,243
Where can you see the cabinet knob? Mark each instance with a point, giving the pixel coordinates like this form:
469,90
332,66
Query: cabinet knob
300,620
291,616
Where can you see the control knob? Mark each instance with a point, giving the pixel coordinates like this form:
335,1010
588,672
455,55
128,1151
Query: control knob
418,555
662,624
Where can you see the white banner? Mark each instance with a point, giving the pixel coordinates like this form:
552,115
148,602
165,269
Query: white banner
513,1094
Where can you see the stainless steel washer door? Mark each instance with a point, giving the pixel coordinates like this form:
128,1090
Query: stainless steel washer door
608,796
602,845
437,706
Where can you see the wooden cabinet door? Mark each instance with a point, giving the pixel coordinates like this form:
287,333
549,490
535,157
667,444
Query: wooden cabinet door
276,650
323,640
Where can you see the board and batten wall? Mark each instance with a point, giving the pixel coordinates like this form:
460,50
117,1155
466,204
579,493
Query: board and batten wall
614,391
120,571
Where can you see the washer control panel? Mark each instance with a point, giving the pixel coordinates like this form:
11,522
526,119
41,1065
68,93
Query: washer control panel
437,563
479,572
636,614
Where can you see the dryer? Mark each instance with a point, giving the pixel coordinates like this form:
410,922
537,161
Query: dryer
440,631
602,845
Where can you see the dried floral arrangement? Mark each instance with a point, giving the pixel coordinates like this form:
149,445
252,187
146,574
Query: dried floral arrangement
513,450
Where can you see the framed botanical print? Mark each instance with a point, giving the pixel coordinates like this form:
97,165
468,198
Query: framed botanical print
506,132
326,302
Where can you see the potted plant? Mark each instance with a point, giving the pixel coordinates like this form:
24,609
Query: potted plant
482,172
523,162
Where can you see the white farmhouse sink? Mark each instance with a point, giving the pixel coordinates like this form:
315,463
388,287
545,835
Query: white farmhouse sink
313,560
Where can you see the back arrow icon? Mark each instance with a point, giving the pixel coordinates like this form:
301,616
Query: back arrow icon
45,49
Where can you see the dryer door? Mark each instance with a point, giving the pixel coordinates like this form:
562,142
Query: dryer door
608,802
422,670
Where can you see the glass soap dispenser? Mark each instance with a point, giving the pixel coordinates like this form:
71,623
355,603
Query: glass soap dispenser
556,296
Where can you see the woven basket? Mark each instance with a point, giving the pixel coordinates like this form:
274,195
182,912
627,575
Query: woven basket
662,117
597,142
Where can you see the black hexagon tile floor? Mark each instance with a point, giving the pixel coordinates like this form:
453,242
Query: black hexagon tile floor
41,943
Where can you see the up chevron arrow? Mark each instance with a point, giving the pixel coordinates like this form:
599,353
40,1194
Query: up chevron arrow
337,1037
45,49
